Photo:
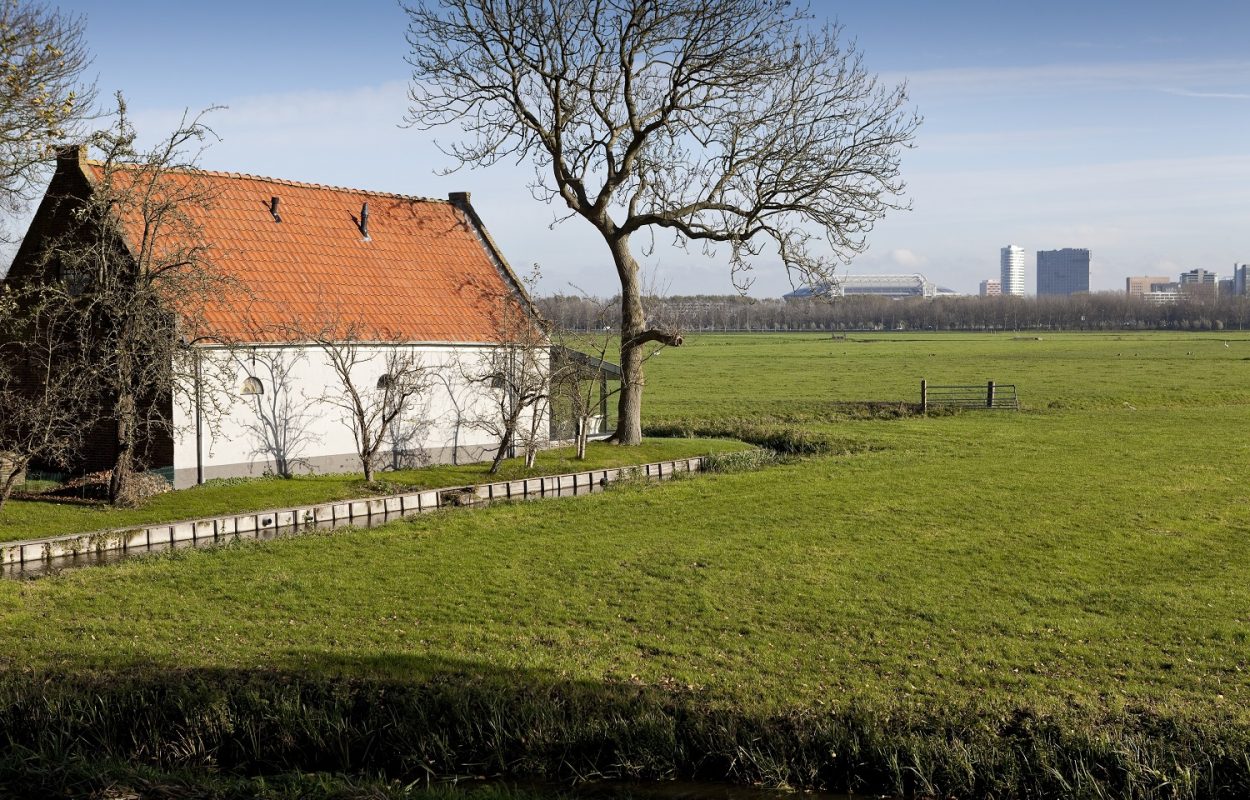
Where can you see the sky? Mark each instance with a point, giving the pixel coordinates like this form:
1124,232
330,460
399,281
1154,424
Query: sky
1122,126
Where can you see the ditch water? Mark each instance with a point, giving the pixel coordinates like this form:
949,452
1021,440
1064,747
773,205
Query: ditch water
464,499
666,790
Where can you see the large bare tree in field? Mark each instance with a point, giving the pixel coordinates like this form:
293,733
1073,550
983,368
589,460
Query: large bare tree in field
720,122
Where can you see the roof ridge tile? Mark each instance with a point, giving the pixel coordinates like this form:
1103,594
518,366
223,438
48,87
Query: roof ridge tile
288,182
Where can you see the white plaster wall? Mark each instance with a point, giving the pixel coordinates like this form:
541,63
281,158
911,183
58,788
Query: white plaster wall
242,434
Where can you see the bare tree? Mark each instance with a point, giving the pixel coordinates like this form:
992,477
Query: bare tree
42,101
516,370
44,390
579,377
136,269
378,382
580,370
714,121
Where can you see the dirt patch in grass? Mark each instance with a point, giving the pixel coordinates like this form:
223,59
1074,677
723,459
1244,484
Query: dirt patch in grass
93,489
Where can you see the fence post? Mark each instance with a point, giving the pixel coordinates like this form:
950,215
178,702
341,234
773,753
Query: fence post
989,395
924,396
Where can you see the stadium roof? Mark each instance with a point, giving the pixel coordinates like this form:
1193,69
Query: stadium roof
913,285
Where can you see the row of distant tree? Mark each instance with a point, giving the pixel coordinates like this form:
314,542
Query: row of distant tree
1099,311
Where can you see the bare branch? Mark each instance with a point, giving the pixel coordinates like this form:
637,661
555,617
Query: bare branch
515,374
135,270
42,101
377,383
725,122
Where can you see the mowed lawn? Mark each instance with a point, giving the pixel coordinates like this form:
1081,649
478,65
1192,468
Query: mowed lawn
1088,553
33,518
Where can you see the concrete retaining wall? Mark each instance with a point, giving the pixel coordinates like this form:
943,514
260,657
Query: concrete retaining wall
33,551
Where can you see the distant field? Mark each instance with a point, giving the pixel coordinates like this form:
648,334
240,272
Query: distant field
795,375
1083,561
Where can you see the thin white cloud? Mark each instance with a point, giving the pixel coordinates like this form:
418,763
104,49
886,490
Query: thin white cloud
1159,182
1219,95
1035,139
905,257
1073,77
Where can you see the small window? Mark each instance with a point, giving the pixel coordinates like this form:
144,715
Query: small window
253,386
496,381
386,381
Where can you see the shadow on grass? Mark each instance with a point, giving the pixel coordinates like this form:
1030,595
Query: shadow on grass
426,718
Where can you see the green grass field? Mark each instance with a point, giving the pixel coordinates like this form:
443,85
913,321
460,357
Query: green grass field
796,376
1083,561
28,519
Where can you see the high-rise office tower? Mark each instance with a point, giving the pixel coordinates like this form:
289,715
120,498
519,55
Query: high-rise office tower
991,287
1011,264
1240,275
1200,283
1063,271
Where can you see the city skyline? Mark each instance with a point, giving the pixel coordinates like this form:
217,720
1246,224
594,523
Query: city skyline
1064,271
312,99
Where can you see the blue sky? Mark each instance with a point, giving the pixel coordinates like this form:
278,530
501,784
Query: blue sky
1123,127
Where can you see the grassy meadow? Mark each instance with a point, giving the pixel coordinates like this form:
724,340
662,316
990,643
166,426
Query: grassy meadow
1043,603
32,518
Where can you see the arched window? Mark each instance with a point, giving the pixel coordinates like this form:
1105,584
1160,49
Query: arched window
386,381
253,386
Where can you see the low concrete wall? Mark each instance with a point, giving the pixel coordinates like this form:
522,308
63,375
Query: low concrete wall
33,551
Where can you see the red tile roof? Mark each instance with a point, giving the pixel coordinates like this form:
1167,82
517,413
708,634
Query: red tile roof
426,273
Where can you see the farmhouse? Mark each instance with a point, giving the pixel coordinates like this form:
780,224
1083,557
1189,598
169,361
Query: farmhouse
386,274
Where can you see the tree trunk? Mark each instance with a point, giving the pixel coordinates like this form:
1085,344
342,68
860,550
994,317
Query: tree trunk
6,489
633,325
504,444
123,463
368,465
455,442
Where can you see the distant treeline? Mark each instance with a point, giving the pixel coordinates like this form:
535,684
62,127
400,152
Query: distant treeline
1099,311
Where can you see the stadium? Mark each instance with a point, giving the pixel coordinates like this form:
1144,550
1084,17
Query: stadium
915,285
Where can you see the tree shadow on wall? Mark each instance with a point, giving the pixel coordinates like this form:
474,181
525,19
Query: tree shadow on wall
282,428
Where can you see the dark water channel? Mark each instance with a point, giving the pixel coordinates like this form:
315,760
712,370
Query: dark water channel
667,790
450,499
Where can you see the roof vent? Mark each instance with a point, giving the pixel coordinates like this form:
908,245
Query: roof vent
273,209
364,221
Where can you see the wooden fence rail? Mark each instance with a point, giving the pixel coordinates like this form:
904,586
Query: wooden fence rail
995,396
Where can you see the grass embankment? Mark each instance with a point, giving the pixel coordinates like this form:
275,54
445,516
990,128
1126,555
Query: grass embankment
28,519
1043,604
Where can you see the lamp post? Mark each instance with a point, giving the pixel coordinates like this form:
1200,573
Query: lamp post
199,423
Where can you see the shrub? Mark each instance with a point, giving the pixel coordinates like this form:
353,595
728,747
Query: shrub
786,440
743,460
